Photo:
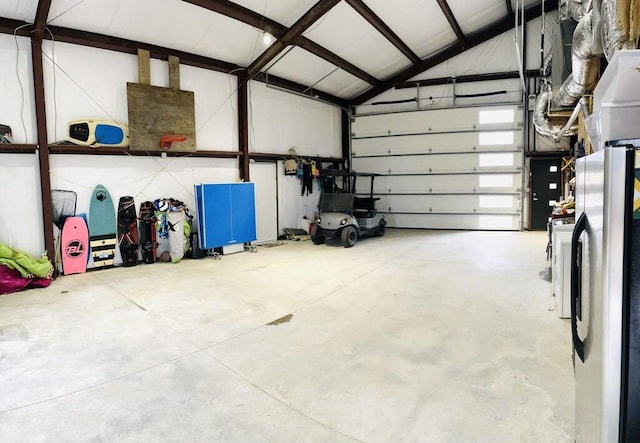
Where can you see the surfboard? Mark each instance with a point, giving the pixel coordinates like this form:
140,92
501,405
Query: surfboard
128,231
75,246
102,228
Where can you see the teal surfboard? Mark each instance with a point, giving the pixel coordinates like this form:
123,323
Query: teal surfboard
102,228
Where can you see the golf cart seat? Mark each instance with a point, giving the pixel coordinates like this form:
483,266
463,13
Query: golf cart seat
364,206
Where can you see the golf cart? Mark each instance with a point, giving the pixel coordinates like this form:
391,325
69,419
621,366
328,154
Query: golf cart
344,215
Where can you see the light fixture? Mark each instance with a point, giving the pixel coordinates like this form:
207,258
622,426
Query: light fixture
267,38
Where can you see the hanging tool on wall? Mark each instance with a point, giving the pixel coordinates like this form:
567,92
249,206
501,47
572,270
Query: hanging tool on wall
307,178
5,134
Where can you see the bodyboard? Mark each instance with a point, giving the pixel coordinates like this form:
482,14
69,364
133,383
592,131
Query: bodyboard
128,231
75,245
102,228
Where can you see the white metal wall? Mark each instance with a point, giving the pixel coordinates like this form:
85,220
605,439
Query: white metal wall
456,168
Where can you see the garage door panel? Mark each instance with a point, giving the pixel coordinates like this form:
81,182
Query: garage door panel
469,183
428,144
438,221
458,204
445,120
458,168
492,162
421,184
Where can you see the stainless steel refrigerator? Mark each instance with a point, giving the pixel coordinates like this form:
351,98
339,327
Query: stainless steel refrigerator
605,259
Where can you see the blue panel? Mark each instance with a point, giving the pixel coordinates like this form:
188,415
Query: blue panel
243,212
214,216
109,135
226,214
199,216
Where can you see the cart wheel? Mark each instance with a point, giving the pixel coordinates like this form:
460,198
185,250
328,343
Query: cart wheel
349,236
316,235
381,227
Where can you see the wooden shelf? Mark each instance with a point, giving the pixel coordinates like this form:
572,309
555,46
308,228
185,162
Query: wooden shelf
85,150
266,156
17,148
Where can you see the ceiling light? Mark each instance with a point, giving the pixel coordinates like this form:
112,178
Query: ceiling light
267,38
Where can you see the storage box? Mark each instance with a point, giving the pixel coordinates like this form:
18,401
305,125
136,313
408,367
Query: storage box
616,106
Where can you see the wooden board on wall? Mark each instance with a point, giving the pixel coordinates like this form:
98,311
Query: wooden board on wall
155,112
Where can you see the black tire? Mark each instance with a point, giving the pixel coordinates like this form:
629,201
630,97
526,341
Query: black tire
349,236
317,238
381,228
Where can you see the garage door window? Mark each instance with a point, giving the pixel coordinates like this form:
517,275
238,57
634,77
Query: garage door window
496,116
495,201
495,181
495,138
495,222
493,160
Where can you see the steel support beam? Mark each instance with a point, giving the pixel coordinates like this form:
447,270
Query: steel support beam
472,41
298,89
42,12
127,46
465,79
258,21
332,58
446,10
380,26
40,22
509,8
101,41
243,128
303,23
240,13
9,26
346,135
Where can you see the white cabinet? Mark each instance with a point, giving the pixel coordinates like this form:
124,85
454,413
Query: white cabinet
561,268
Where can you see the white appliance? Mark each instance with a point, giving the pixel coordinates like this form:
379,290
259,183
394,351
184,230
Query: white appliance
561,268
605,263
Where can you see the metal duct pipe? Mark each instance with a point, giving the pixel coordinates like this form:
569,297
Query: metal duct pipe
544,127
585,66
582,80
545,71
616,26
540,121
580,106
573,9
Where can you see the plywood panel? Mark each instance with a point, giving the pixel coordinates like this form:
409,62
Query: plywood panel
144,67
155,112
174,72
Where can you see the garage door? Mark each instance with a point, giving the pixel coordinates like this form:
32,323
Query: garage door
457,168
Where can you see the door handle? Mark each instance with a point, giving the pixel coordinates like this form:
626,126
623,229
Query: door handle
576,283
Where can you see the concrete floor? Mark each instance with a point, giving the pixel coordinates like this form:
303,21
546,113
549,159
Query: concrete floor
415,337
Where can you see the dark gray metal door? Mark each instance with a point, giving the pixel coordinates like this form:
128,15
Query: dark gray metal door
546,189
